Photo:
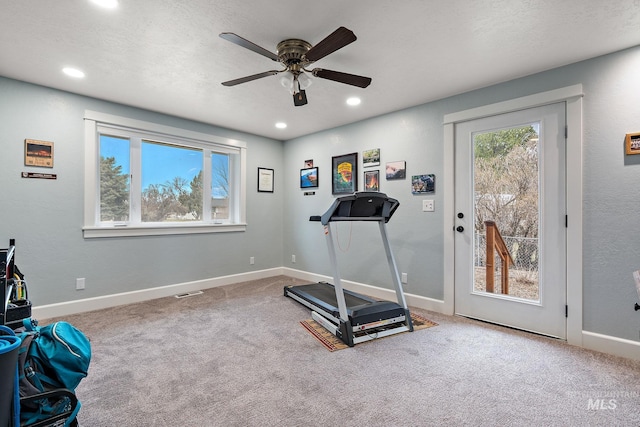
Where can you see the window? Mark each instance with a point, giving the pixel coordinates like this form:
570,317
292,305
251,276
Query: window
146,179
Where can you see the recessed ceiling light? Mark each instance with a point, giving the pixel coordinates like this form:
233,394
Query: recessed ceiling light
281,125
73,72
109,4
353,101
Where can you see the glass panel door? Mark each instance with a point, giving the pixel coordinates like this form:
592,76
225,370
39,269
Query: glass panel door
510,234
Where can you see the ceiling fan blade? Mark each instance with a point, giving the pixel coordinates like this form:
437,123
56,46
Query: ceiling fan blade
337,76
236,39
250,78
334,41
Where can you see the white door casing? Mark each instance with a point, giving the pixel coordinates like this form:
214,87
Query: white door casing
572,96
545,314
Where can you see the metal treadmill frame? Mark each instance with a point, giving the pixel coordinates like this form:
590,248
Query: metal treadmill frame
342,328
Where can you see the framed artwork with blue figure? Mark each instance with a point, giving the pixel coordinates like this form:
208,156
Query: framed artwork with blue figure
309,178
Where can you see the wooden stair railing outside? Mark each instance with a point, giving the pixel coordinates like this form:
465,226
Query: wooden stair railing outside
495,243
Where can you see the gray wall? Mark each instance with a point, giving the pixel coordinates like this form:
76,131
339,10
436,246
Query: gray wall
46,216
413,135
611,191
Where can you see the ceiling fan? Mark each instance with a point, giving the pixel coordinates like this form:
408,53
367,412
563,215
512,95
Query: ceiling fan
295,56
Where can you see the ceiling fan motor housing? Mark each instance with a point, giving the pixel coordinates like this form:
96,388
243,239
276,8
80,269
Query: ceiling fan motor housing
291,53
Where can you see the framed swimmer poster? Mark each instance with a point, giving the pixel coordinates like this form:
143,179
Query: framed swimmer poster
309,178
344,174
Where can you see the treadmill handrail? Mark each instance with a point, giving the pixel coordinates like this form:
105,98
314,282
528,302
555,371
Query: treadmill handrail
353,218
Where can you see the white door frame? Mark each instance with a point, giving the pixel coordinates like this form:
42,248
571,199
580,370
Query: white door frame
572,95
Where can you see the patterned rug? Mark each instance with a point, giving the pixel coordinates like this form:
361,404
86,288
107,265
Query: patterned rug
333,343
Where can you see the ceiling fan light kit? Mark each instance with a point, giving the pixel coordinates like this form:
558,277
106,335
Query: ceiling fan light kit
295,55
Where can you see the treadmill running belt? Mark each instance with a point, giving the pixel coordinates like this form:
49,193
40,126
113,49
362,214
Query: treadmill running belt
361,309
325,292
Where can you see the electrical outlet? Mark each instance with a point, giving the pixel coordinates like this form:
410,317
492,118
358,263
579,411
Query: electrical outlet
404,278
80,284
252,260
428,206
293,259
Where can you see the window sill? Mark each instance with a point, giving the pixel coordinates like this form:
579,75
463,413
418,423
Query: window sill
159,230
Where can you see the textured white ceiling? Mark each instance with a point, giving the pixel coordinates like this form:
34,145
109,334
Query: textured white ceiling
166,56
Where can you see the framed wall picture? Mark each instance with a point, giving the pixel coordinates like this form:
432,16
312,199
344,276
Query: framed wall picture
423,183
632,143
371,158
309,178
372,180
396,170
38,153
265,180
344,174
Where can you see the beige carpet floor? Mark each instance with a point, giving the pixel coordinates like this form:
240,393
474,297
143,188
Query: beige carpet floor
237,356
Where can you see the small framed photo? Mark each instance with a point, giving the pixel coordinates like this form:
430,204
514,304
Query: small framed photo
372,180
396,170
309,178
308,163
38,153
344,174
265,180
632,143
371,158
423,184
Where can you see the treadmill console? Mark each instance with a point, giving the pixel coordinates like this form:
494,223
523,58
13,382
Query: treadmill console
360,206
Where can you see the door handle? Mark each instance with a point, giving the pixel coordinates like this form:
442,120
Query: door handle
460,215
459,229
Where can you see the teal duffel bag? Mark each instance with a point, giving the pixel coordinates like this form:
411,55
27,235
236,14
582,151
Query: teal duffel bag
52,357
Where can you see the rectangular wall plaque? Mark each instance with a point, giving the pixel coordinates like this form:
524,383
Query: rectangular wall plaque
38,153
39,175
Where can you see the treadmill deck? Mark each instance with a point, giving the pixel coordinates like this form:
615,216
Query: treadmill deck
361,309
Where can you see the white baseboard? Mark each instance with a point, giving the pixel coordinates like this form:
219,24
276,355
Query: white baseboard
611,345
590,340
96,303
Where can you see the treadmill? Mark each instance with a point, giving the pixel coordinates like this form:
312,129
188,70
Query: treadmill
353,317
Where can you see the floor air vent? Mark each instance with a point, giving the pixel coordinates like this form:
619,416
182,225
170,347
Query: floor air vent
188,294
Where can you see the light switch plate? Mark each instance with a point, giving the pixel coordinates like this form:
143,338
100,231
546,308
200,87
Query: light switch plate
428,206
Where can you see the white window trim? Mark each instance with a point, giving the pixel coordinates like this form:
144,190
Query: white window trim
92,120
